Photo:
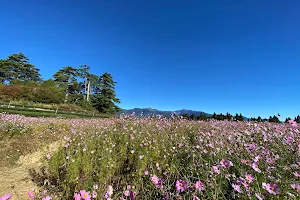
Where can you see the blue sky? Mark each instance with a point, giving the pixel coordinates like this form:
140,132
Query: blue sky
214,55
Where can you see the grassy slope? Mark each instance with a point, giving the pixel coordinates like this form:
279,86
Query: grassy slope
38,113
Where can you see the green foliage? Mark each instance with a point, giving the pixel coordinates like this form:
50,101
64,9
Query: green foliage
21,81
105,101
274,119
66,80
297,119
48,92
17,67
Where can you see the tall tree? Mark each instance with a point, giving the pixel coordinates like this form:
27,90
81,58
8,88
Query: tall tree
84,73
21,69
193,117
106,99
66,79
17,67
5,73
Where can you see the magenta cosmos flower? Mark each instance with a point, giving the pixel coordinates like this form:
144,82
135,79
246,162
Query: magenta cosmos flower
94,194
30,195
157,181
85,195
237,188
293,123
196,198
249,178
77,196
296,187
259,196
6,197
47,198
271,188
216,169
199,186
226,163
181,185
255,167
297,174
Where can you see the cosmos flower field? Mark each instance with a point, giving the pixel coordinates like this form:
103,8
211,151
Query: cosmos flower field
157,158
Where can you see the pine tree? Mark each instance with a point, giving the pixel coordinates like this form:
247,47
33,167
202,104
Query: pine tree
17,67
214,116
259,119
66,79
193,117
241,118
5,72
275,119
106,99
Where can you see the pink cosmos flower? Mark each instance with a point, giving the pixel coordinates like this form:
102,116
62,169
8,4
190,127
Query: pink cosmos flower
271,188
30,195
94,194
270,160
110,190
146,172
6,197
155,179
85,195
257,158
297,174
227,176
251,147
196,198
199,186
237,188
126,193
181,185
296,187
249,178
226,163
259,196
216,169
47,198
255,167
293,123
77,196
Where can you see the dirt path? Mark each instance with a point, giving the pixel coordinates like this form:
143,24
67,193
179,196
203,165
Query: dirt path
16,179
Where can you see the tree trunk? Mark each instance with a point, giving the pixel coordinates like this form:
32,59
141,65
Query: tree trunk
88,91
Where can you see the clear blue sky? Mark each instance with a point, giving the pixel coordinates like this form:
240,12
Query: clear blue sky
213,55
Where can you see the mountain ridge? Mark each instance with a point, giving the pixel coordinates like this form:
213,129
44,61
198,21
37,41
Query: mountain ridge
151,111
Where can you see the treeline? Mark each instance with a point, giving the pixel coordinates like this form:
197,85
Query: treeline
21,80
221,117
237,117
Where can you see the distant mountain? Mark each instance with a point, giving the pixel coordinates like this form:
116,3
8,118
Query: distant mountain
151,111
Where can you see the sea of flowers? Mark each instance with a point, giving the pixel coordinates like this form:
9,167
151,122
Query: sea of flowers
132,157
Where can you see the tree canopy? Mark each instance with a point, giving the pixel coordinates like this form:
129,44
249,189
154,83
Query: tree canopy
19,79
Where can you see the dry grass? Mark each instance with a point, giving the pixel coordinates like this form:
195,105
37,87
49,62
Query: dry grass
16,178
